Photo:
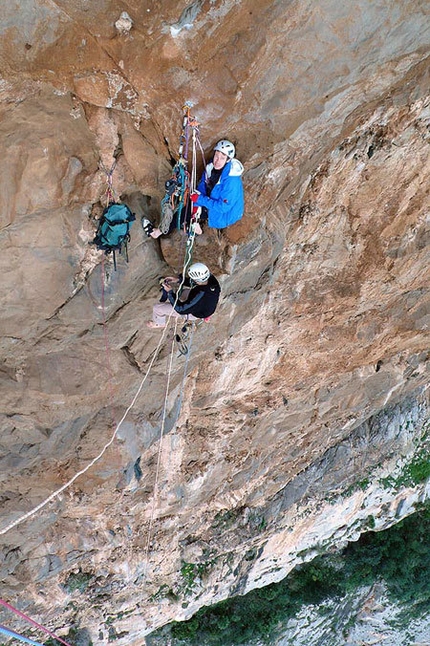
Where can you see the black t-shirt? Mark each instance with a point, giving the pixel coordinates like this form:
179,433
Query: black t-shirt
213,179
201,301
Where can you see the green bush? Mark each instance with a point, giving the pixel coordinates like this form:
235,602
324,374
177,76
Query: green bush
77,581
399,556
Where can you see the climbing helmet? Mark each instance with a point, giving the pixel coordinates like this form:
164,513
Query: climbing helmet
226,147
199,272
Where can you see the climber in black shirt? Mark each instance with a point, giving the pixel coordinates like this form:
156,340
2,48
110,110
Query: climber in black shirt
200,302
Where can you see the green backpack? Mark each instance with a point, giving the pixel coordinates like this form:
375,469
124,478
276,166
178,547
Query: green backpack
113,232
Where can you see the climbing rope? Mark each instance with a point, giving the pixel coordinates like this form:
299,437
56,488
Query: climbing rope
178,187
191,234
177,414
109,195
12,633
187,121
68,484
187,261
160,445
65,486
29,619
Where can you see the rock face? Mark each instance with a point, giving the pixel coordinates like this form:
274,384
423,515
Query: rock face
313,373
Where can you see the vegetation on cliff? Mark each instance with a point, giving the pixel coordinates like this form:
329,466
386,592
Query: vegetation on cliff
398,556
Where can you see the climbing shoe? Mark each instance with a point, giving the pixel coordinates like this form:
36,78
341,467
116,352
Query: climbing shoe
147,226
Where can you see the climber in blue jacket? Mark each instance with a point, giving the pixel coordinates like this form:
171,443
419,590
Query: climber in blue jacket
220,190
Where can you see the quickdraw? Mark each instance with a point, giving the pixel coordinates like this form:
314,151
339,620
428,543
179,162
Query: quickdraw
175,205
109,195
185,336
182,339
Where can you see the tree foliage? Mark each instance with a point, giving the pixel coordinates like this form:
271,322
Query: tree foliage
399,556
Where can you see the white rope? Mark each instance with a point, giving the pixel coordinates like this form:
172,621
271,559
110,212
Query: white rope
56,493
185,266
184,376
59,491
193,181
157,471
160,447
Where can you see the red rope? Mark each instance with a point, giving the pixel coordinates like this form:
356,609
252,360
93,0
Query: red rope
107,346
21,614
110,193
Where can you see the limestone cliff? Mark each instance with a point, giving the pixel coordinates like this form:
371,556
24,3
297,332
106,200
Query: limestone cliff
312,377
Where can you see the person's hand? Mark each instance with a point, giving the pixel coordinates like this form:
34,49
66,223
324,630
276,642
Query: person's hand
194,196
196,212
167,287
197,229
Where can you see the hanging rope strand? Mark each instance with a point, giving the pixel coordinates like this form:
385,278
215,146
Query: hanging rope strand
56,493
160,445
109,193
183,139
14,635
193,183
106,342
29,619
194,162
199,143
184,376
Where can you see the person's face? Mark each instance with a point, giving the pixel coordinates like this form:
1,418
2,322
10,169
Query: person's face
220,160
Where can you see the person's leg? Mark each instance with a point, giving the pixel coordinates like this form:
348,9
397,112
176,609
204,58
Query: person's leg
155,233
149,229
160,312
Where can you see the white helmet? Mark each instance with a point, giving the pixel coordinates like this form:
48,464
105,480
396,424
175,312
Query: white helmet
199,272
226,147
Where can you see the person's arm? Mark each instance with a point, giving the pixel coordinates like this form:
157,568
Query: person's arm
227,197
187,306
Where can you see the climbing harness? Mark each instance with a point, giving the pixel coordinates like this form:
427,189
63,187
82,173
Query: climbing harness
113,231
29,619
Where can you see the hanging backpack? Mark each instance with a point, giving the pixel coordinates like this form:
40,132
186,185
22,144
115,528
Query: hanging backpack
113,232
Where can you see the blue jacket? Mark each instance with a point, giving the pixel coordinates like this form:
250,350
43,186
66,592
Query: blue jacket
226,203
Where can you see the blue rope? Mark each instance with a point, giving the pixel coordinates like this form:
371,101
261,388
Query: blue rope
11,633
